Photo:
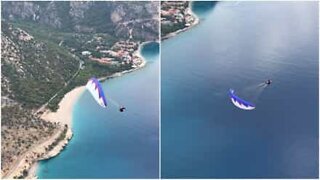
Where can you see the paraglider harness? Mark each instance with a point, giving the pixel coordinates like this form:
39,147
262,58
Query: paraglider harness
268,82
121,109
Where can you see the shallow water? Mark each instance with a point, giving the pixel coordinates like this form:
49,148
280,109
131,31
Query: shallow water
110,144
239,45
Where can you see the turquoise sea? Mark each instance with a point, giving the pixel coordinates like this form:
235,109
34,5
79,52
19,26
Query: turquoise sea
239,45
110,144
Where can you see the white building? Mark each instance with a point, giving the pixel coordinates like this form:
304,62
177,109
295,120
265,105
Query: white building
86,53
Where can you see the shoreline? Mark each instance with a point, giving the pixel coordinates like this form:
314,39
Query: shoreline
141,65
63,116
196,22
29,160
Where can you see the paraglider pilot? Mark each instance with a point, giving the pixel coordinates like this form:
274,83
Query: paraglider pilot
268,82
122,108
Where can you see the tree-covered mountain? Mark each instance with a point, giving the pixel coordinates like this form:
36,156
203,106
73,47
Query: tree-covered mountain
42,59
32,69
115,18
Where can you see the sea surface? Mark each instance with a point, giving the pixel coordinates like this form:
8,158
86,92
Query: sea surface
111,144
240,45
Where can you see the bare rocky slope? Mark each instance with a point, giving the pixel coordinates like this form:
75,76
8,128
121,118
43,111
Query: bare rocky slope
41,60
86,17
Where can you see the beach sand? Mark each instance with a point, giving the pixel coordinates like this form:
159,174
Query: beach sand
62,116
64,113
29,159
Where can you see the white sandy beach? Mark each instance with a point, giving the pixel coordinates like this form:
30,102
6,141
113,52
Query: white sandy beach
29,160
64,113
62,116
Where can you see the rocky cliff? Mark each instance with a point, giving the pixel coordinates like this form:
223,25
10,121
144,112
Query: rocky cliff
41,60
118,18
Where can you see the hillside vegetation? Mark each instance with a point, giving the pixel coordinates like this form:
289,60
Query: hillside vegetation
43,45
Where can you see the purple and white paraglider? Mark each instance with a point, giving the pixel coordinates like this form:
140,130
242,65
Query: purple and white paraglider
94,87
240,103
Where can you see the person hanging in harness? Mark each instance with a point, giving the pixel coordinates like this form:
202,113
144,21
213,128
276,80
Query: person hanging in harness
268,82
122,108
94,87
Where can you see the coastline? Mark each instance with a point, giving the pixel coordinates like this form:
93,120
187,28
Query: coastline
63,116
64,112
141,65
196,22
38,152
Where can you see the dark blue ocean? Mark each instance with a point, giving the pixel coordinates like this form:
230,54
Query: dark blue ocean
239,45
110,144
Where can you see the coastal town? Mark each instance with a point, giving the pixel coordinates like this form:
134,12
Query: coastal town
176,16
45,68
122,52
45,131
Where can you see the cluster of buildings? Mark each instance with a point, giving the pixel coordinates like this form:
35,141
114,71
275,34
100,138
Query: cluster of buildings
122,52
176,12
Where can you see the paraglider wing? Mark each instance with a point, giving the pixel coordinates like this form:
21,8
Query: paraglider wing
96,91
240,103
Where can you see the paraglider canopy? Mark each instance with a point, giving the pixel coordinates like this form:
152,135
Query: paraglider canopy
96,91
240,103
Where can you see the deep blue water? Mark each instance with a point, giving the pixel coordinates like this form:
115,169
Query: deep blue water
239,45
202,8
110,144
